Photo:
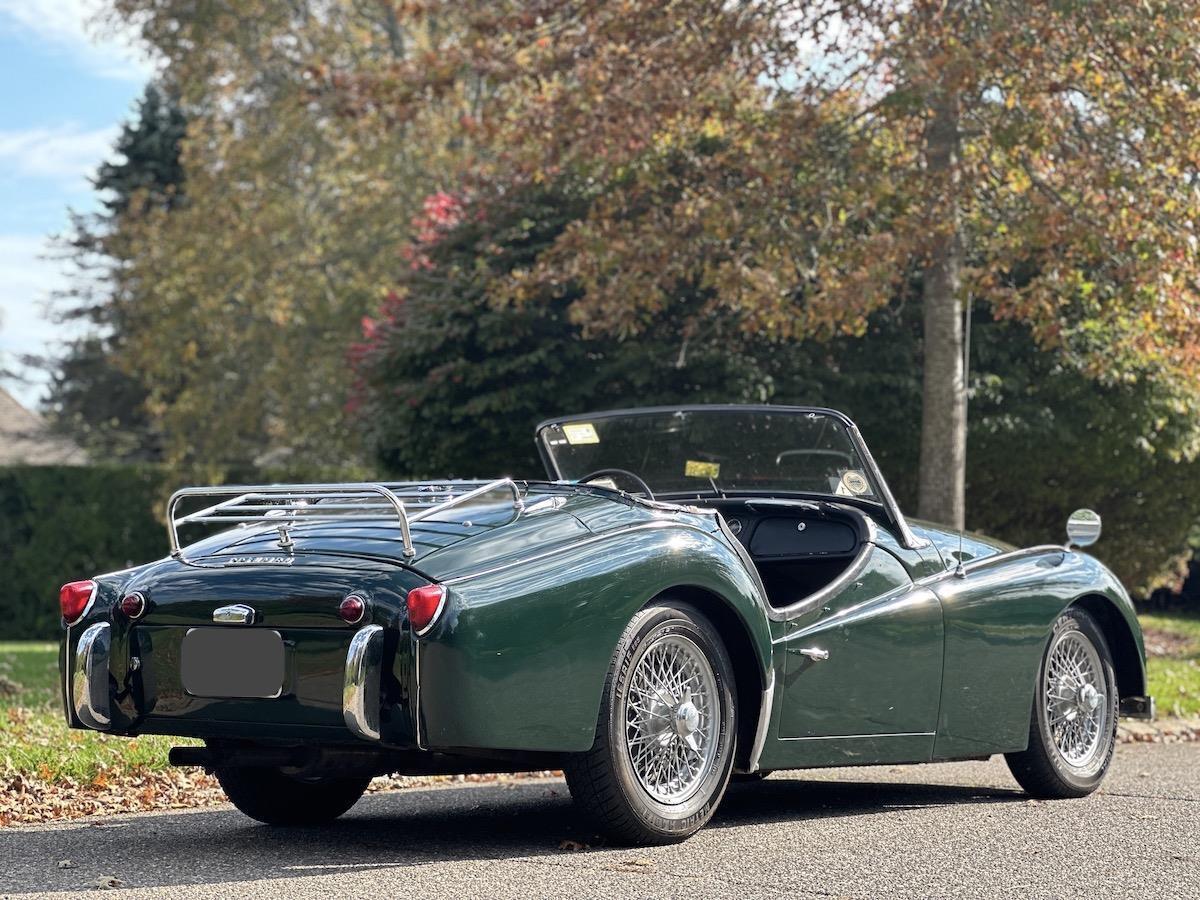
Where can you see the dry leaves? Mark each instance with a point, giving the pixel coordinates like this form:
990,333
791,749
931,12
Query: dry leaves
28,798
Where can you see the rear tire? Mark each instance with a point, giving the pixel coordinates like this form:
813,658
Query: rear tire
271,797
1073,724
666,734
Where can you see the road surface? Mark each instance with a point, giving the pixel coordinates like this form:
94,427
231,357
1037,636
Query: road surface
948,830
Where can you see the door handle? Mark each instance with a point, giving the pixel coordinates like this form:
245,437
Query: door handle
813,653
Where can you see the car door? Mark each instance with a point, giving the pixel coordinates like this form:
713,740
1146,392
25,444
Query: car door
862,671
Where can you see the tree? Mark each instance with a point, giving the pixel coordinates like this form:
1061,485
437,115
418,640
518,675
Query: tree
297,204
95,398
450,384
815,162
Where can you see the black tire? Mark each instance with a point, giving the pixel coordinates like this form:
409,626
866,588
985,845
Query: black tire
271,797
603,781
1043,769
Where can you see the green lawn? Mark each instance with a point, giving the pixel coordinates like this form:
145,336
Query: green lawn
35,740
1175,674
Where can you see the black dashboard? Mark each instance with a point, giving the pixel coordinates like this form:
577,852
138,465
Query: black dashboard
792,532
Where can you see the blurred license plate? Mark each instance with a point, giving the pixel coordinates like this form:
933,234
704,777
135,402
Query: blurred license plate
228,662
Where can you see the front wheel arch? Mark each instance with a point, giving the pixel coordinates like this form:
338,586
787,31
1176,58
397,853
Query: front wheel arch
1127,658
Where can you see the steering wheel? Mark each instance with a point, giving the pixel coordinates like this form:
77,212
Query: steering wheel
625,473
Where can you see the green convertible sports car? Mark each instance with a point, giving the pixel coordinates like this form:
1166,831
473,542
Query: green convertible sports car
694,592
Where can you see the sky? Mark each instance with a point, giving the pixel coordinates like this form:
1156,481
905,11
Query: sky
67,87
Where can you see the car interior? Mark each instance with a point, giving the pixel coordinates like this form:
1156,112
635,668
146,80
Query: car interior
798,547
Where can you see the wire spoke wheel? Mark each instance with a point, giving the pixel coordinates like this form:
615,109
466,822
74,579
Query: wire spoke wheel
1075,704
671,719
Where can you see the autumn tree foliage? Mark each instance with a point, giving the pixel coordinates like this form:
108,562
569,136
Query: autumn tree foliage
807,163
250,293
449,383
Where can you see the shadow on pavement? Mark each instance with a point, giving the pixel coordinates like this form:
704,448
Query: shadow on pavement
398,829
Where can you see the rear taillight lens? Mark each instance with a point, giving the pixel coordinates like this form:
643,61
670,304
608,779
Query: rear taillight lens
424,606
133,605
352,609
73,599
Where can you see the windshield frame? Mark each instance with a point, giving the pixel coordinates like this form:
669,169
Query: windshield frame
886,500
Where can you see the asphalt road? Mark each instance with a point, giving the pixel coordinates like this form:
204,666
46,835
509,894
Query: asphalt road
948,830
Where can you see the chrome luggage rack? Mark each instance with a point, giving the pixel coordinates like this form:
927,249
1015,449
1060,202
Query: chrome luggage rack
287,505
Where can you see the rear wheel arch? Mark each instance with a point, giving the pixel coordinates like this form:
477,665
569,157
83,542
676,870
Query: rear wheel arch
1127,659
747,671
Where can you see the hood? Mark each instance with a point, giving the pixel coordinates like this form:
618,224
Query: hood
974,546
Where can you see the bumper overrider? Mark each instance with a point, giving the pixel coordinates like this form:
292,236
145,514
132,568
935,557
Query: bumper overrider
360,690
90,696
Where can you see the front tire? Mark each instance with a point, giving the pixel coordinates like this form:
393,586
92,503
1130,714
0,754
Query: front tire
1073,725
666,734
271,797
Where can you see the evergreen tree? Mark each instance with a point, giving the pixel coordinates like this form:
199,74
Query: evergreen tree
94,398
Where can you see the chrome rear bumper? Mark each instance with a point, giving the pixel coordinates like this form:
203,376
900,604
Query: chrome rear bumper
89,678
360,690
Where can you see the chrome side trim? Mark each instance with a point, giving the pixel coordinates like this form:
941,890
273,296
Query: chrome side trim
766,707
860,737
89,682
360,689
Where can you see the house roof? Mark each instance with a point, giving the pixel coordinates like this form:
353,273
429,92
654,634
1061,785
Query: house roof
25,439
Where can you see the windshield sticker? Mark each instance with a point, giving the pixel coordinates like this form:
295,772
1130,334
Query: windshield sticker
854,482
696,469
581,433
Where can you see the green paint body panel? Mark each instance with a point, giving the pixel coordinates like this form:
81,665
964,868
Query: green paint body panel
923,664
883,674
520,658
998,620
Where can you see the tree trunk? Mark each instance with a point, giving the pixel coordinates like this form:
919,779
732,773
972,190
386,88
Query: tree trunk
943,464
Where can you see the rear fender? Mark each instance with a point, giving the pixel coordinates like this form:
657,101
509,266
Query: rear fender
519,659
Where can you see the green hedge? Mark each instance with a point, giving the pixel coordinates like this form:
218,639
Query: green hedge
61,523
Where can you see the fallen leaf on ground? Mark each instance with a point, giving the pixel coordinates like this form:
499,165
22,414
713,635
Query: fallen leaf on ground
106,881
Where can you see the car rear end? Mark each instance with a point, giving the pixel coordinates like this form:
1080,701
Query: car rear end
275,647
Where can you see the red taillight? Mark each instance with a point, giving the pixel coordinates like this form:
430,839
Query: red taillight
133,605
352,609
73,599
424,604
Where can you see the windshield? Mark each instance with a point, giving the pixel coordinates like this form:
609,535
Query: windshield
690,451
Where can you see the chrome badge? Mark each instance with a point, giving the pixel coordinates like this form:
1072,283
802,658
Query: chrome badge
260,561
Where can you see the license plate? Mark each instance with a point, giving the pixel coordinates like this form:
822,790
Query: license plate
229,662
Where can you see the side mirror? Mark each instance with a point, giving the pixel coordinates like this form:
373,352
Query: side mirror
1083,528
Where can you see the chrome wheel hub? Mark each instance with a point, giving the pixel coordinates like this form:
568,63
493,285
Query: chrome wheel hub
1075,708
671,719
687,719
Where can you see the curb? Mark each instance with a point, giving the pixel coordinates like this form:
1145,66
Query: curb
1166,730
